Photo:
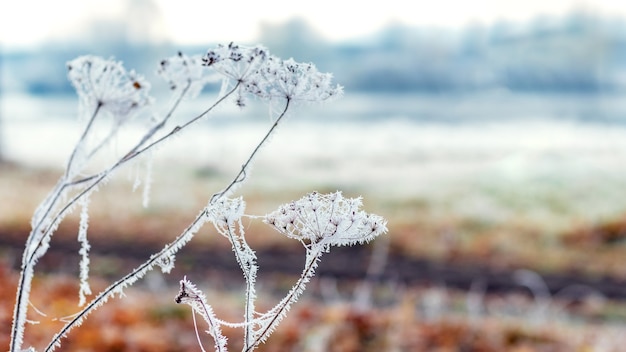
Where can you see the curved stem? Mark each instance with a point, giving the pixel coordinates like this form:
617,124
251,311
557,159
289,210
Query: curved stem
135,151
242,175
26,274
61,184
31,252
82,139
246,258
291,297
131,277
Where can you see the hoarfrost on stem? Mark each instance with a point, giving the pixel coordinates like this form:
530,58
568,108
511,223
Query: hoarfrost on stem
318,221
192,296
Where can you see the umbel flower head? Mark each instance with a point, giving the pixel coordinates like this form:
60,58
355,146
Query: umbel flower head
268,77
235,61
225,212
182,71
326,220
106,84
291,80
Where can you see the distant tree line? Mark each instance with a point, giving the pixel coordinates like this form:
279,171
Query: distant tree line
577,53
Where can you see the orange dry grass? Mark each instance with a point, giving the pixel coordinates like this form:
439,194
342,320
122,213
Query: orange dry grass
141,321
150,321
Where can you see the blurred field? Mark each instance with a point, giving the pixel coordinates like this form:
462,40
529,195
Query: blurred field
503,235
498,227
542,195
431,319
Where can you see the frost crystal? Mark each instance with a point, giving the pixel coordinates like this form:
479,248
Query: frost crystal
225,212
85,288
327,220
268,77
182,70
234,61
166,262
292,80
107,84
237,64
192,296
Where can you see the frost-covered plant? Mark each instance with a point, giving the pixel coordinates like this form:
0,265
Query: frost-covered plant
318,221
109,97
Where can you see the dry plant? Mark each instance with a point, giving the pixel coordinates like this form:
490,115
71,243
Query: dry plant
109,98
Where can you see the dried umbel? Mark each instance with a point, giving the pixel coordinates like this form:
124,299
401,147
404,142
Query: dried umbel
268,77
186,72
105,88
291,80
327,220
106,84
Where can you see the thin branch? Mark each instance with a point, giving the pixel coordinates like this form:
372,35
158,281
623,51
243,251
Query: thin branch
284,305
249,268
31,251
195,326
82,140
136,274
241,176
63,181
135,151
22,294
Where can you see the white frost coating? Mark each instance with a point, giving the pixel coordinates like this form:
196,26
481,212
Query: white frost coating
270,320
119,286
166,262
268,77
326,220
107,83
85,289
291,80
237,64
318,221
148,179
19,312
181,71
193,297
225,214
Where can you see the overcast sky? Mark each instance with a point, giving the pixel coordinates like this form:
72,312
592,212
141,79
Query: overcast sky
26,23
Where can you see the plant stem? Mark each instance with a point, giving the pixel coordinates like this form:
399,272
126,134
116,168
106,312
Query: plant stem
135,151
131,277
31,251
246,258
284,305
28,260
241,176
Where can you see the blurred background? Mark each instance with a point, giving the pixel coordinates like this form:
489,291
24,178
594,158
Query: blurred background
491,134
